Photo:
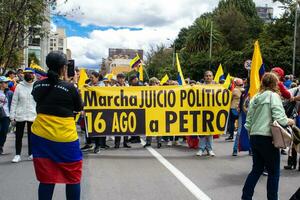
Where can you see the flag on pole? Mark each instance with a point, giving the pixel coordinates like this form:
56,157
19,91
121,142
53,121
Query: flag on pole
181,80
256,64
82,78
135,62
219,75
140,73
227,81
164,79
37,69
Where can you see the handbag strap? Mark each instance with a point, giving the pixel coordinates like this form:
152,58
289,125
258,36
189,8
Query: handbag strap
271,107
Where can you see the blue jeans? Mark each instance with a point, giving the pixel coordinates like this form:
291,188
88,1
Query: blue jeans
206,142
237,137
232,117
4,124
264,155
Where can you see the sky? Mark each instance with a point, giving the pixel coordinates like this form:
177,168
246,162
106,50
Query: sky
93,26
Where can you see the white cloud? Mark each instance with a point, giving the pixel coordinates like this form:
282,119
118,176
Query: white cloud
90,51
160,19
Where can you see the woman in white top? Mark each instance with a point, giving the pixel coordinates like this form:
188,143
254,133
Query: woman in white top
23,111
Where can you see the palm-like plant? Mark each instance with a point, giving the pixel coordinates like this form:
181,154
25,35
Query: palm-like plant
198,38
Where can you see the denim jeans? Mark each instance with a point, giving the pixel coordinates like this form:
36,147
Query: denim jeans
264,155
232,118
237,137
4,124
206,142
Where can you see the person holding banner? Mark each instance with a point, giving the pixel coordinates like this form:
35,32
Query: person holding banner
99,141
153,82
206,142
134,81
264,108
121,83
234,108
55,145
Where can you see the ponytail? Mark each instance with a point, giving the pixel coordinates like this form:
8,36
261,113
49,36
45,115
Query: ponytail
53,77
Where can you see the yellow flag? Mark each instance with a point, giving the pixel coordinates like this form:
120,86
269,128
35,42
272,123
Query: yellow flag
135,61
164,79
82,78
227,81
219,74
254,72
141,73
181,80
109,76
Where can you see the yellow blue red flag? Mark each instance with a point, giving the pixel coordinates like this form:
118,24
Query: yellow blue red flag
181,80
256,64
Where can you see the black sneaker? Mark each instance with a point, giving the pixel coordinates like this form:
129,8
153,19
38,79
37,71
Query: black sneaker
1,150
97,150
126,146
147,145
87,147
229,138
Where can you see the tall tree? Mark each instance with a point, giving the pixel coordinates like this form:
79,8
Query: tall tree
198,37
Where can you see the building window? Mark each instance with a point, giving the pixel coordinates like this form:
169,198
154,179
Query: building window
61,42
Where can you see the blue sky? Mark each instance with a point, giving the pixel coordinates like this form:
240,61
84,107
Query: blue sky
74,28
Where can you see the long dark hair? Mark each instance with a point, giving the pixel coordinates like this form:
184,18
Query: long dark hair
55,61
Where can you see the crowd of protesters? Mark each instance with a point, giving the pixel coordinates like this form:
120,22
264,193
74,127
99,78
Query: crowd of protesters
24,102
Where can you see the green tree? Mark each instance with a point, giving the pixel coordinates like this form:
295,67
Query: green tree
32,57
233,26
16,16
159,62
198,37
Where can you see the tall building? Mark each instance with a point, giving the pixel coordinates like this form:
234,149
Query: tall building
265,13
37,45
119,59
58,41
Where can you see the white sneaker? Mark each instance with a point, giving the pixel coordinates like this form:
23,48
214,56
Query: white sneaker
199,153
169,143
16,159
211,153
30,157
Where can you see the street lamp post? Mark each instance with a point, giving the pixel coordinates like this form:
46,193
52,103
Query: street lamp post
174,49
210,44
295,38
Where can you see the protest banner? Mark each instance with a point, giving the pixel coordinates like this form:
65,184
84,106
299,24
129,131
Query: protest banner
157,110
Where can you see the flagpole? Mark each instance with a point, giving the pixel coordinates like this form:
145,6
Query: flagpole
295,38
210,44
145,69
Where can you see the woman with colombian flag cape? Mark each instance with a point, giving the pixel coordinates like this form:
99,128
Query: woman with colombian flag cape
55,146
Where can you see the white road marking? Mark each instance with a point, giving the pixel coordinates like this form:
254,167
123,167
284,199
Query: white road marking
193,188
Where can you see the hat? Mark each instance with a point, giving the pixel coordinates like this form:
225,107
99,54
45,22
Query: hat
239,82
28,70
105,80
278,71
153,80
56,60
3,79
121,75
132,77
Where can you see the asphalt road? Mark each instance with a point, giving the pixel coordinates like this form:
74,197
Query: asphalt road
134,174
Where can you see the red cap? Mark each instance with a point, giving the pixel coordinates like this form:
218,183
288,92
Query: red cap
279,71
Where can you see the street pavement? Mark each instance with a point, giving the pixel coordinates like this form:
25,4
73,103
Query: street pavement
135,174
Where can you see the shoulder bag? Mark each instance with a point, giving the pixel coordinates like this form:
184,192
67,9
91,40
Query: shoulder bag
282,137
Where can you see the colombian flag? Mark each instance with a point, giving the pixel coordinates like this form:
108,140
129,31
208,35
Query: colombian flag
180,78
135,62
55,148
219,75
256,65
